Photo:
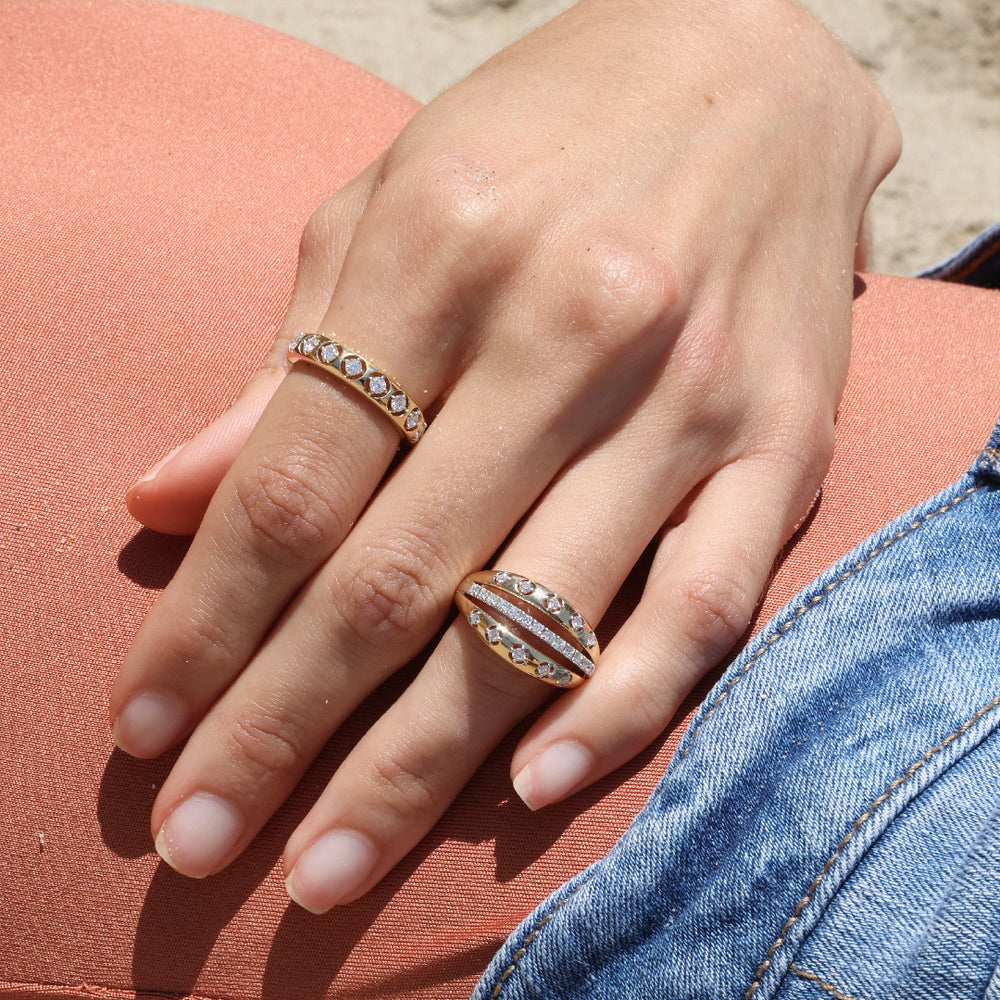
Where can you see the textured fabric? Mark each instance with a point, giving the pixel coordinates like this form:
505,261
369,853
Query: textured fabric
157,164
828,823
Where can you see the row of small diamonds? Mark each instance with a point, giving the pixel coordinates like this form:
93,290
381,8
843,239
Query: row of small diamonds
520,655
376,384
531,624
551,601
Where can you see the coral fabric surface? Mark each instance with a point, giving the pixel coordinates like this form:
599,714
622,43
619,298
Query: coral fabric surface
157,164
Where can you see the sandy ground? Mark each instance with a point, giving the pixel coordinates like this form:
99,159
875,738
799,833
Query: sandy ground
937,60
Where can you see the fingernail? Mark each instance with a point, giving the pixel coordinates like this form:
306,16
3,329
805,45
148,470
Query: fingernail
199,835
558,770
149,724
155,470
332,870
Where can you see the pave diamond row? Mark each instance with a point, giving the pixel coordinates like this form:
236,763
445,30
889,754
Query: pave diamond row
358,373
532,625
550,601
523,657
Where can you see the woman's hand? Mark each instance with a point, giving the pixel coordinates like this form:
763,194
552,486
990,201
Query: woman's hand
614,265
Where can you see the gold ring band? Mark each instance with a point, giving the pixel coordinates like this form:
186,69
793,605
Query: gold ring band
358,372
529,626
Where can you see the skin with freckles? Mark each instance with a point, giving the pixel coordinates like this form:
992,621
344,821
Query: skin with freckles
614,267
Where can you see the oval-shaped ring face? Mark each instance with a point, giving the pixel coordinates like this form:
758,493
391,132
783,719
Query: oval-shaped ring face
529,626
361,375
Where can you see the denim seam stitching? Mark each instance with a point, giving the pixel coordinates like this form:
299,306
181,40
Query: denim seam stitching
852,833
812,602
520,953
825,987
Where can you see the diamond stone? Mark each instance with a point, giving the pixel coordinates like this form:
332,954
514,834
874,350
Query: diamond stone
518,655
328,353
352,367
397,404
412,419
564,678
416,435
590,640
553,603
493,635
377,385
577,622
525,587
500,577
308,344
475,618
297,341
545,669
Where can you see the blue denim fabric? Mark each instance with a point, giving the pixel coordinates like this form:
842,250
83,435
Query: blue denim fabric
829,823
977,264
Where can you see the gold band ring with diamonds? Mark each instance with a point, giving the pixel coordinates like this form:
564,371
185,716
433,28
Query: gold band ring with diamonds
364,377
529,626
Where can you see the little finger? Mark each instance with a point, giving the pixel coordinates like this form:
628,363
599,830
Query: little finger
698,602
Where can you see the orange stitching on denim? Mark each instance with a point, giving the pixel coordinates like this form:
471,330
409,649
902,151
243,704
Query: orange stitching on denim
971,265
813,601
850,835
520,953
826,987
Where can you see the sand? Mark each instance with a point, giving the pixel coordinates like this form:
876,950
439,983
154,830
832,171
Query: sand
938,62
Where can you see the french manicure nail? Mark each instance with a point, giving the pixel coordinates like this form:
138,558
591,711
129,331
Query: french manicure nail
558,770
155,470
149,724
331,870
198,836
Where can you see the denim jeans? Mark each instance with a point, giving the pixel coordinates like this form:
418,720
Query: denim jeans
830,823
977,264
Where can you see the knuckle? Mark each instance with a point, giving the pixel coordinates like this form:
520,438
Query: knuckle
391,592
404,786
288,517
262,744
619,293
324,234
208,640
713,609
651,706
800,437
201,650
455,197
710,378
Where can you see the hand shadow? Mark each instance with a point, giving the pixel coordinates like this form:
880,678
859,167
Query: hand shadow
151,559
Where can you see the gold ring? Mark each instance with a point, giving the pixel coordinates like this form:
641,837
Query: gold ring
358,372
529,626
